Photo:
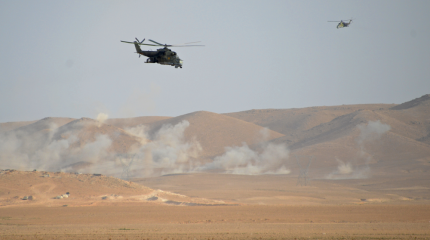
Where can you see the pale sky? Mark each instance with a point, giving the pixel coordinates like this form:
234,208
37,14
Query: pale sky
65,58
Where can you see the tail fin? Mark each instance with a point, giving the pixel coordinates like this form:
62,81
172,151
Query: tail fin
138,50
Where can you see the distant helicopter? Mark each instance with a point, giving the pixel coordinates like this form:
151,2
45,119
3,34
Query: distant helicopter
343,24
163,56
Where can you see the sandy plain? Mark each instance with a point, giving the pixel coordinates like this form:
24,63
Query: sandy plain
148,221
206,206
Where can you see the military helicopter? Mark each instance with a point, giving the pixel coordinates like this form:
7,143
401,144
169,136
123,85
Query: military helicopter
343,24
164,55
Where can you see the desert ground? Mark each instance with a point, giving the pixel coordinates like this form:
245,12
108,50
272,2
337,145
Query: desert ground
329,172
206,206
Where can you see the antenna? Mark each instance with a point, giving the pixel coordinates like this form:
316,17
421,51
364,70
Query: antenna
303,178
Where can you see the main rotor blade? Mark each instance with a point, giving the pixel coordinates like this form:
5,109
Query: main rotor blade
186,45
158,45
340,20
192,42
141,43
151,45
157,42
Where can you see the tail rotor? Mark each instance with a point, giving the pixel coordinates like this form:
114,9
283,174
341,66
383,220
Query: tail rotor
139,41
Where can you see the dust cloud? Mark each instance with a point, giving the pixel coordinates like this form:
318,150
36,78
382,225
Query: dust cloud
165,152
358,167
102,117
24,150
243,160
371,131
268,158
168,153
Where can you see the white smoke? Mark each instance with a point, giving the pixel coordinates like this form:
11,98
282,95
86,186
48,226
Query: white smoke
164,152
34,147
344,168
10,155
371,131
269,159
102,117
167,152
17,147
358,167
139,131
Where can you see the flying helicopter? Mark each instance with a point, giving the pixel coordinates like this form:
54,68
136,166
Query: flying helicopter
164,55
343,24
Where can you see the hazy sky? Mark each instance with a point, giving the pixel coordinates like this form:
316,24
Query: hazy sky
65,58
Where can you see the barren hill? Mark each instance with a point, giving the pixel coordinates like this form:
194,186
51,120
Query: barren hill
132,122
43,125
346,140
32,137
345,125
416,115
215,131
8,126
350,140
86,130
291,122
423,100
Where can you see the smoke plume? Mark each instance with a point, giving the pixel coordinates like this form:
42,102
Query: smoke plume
371,131
268,159
164,152
102,117
358,167
243,160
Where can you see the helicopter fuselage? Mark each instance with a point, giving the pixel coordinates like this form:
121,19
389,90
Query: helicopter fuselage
163,56
343,24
